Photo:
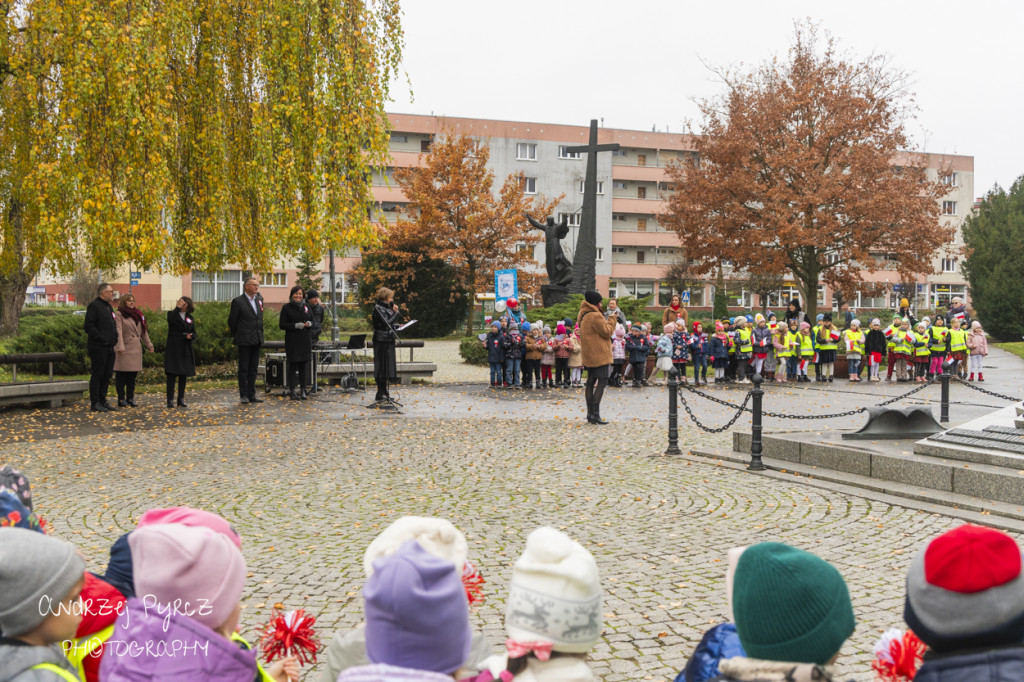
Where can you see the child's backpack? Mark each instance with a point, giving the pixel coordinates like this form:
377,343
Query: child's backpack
717,644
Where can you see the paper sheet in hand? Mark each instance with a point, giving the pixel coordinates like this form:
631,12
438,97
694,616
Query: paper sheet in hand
407,324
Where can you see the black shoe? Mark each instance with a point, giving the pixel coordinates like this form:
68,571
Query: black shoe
293,395
99,407
121,402
110,408
254,399
244,400
303,395
131,402
830,379
590,417
170,403
182,403
596,419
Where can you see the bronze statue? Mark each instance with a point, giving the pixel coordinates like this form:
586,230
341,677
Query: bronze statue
559,267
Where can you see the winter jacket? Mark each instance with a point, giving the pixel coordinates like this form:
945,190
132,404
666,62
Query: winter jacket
179,352
534,351
515,346
664,347
558,669
347,649
381,672
575,351
762,339
875,342
741,669
960,312
562,344
977,343
17,660
699,345
141,647
102,604
993,665
595,334
548,350
638,348
717,644
298,339
719,347
674,314
680,347
618,348
495,346
99,324
131,337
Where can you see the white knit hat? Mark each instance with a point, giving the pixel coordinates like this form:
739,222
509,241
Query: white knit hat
555,594
437,536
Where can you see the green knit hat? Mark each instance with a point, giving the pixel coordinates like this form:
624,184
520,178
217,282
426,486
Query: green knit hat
790,605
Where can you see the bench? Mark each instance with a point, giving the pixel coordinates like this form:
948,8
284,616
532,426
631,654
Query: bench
52,392
334,371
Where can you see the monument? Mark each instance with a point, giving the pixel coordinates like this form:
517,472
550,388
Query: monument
584,265
558,265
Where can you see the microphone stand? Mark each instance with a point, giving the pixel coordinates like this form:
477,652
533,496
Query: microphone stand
387,403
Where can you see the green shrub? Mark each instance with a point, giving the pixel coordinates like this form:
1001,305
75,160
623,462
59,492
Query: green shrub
472,351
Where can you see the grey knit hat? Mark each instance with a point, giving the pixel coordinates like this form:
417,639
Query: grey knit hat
36,573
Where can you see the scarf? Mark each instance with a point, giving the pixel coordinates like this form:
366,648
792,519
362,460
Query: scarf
135,314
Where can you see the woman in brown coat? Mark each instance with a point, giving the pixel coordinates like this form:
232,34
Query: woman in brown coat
132,335
675,311
596,342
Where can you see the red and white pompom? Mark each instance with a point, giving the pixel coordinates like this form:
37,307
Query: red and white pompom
898,655
290,634
473,582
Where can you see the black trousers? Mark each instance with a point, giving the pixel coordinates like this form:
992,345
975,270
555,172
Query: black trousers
561,371
297,374
102,369
248,365
124,384
171,379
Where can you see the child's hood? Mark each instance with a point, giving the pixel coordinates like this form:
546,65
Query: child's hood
17,659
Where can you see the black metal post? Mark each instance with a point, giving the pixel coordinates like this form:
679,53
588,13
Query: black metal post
944,378
755,428
673,413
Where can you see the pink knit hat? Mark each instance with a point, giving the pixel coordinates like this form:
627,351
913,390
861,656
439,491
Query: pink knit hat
560,328
195,565
196,518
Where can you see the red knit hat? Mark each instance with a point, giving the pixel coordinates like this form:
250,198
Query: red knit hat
965,589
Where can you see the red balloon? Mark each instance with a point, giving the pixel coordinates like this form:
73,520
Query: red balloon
512,303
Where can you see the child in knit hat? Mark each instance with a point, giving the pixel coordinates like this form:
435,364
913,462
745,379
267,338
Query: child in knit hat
440,538
547,359
618,355
965,601
417,619
699,352
718,346
874,348
792,612
575,358
553,614
663,352
41,581
638,349
978,346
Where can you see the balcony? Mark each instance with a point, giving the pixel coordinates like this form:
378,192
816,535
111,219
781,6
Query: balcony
639,173
389,194
642,206
405,159
650,258
648,238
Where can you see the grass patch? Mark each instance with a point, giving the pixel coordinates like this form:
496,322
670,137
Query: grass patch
1015,347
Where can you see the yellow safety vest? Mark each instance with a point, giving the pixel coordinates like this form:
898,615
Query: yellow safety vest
78,650
238,639
903,346
890,338
746,343
806,346
825,345
858,341
922,350
793,343
957,340
58,671
938,341
785,352
732,338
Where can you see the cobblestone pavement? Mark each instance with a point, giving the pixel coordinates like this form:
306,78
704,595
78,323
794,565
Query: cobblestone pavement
308,485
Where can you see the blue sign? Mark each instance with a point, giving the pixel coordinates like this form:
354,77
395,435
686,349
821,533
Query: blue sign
136,275
134,283
685,297
506,285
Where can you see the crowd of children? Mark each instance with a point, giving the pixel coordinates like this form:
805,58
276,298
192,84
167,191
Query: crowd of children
168,608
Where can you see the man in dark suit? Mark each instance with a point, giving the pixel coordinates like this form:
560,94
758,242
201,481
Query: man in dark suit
246,324
101,330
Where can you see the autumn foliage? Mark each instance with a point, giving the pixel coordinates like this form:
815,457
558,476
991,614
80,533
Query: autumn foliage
802,168
455,214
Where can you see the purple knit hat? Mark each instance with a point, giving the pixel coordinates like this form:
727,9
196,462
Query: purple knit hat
417,615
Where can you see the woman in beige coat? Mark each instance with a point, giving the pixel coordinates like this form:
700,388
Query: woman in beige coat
132,335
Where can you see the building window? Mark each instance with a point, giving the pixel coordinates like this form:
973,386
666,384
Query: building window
942,294
600,253
832,258
619,216
950,180
425,146
871,302
618,152
600,186
529,185
618,249
399,139
526,151
564,154
640,256
948,208
618,185
275,279
639,288
666,292
949,264
216,286
524,248
641,224
571,219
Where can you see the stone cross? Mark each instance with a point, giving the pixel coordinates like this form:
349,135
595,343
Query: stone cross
584,261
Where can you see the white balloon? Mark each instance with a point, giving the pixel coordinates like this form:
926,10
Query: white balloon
499,306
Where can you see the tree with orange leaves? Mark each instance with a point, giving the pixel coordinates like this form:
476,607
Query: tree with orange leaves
463,222
802,167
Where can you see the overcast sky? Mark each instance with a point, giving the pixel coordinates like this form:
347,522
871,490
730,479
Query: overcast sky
638,63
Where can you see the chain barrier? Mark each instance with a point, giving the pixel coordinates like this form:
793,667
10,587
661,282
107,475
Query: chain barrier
739,412
783,415
982,390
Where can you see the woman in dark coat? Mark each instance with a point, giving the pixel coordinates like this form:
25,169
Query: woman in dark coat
297,323
793,312
385,317
179,355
